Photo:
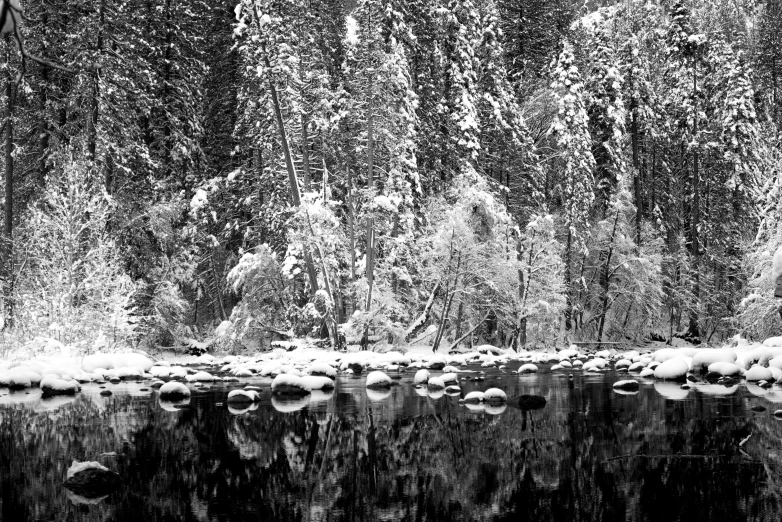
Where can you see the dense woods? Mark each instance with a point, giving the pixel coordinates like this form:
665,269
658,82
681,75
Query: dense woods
521,172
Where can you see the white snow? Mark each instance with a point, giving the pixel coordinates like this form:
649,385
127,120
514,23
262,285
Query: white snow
435,383
56,386
243,396
670,369
706,357
646,372
378,379
449,378
318,382
286,384
758,373
475,396
724,368
421,377
627,384
78,467
322,369
495,395
528,368
174,390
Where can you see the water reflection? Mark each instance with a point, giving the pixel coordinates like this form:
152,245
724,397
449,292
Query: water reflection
663,453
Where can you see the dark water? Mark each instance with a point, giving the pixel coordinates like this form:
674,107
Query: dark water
590,454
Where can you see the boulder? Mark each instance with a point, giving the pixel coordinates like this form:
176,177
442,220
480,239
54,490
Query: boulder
378,379
495,396
54,386
172,391
628,385
91,479
285,384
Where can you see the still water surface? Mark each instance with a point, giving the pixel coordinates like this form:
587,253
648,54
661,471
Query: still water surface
591,454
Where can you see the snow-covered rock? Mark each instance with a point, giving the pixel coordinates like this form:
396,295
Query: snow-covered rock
647,372
474,397
672,369
437,362
318,382
321,369
236,396
449,378
421,377
495,396
528,368
724,368
378,379
91,480
435,383
704,358
110,361
285,384
201,377
55,386
627,385
173,391
758,373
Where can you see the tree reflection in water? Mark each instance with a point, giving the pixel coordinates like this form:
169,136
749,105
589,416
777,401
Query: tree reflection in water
590,454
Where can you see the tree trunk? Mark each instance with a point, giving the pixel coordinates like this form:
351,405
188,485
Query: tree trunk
8,269
693,330
606,280
294,183
637,180
568,291
370,273
43,128
92,119
305,153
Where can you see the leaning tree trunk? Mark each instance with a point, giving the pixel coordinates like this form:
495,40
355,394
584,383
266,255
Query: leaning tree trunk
8,267
294,184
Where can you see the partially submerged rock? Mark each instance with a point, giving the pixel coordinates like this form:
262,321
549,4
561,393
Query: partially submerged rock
91,479
378,379
473,397
758,373
627,385
54,386
285,384
674,369
421,377
173,391
435,383
495,396
243,396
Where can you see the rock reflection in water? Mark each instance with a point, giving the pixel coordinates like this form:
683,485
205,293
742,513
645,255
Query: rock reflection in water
588,454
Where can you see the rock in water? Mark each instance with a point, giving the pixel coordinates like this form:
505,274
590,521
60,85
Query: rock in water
629,385
54,386
285,384
378,379
356,367
495,396
174,391
91,479
532,402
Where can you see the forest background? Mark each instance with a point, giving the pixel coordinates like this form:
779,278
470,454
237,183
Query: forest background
384,173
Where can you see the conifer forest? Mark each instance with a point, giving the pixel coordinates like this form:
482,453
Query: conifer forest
390,260
524,173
